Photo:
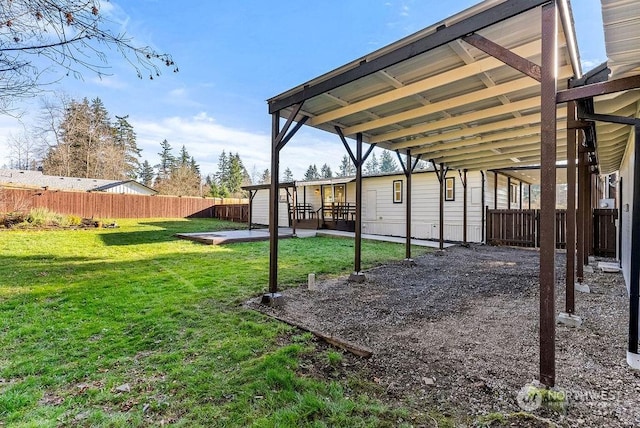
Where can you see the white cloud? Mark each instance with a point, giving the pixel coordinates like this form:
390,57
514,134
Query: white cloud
108,82
589,64
205,139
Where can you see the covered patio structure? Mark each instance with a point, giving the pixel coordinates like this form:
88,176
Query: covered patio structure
495,86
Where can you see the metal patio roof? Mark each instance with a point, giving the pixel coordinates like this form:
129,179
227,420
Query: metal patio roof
443,98
621,19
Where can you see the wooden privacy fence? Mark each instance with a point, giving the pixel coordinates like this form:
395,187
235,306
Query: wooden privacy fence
114,205
235,212
520,228
604,232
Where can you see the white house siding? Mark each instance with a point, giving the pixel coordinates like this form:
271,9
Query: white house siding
503,192
390,218
626,210
260,208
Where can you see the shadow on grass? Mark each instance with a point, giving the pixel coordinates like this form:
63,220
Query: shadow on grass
168,230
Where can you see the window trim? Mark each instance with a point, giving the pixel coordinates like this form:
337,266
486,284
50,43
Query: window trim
451,180
397,193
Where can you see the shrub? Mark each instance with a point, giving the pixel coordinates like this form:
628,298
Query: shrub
39,216
74,220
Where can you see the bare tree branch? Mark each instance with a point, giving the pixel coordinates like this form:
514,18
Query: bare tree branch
41,35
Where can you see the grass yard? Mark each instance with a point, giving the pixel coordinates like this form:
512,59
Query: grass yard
131,327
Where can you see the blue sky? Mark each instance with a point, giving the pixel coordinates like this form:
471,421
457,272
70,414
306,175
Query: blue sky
232,56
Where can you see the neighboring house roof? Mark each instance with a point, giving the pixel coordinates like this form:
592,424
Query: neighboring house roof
36,179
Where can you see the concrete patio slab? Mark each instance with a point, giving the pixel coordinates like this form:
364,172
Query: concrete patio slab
231,236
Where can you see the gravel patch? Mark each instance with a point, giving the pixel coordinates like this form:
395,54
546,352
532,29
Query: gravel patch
458,331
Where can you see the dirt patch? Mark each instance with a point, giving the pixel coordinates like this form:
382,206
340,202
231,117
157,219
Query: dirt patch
458,331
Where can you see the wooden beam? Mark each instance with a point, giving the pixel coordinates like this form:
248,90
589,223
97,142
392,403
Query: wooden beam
570,274
505,55
548,194
597,89
359,350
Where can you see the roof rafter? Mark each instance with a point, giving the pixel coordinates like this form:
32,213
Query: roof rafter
424,85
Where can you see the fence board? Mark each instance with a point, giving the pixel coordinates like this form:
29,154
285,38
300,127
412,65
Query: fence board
604,232
115,205
520,228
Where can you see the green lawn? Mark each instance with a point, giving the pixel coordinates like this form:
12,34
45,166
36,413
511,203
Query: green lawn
131,327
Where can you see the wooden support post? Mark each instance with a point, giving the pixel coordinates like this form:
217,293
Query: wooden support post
357,274
464,207
548,193
571,212
274,196
251,195
408,173
580,246
495,190
634,273
589,212
443,175
509,192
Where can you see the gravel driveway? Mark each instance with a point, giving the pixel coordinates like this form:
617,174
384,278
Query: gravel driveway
458,330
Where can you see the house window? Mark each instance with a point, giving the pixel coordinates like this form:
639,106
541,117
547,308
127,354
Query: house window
515,190
450,189
397,191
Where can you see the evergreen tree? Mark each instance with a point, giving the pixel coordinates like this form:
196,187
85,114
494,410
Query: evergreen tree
312,173
86,147
266,177
325,171
237,174
146,173
184,158
194,166
287,175
387,162
372,167
125,140
167,161
347,168
222,176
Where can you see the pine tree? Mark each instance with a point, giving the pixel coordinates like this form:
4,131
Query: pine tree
371,166
266,177
146,173
184,158
86,147
312,173
222,176
347,168
325,171
236,174
387,162
287,175
167,161
125,140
